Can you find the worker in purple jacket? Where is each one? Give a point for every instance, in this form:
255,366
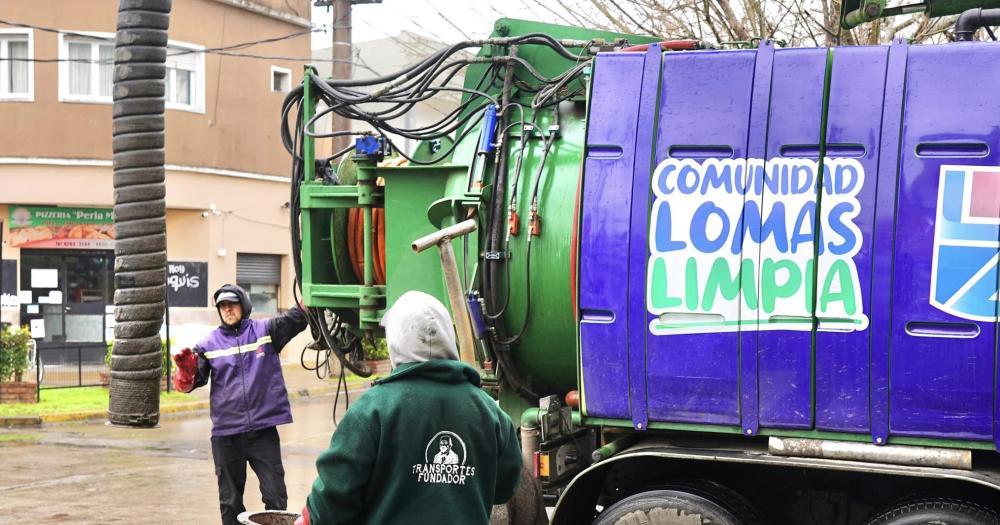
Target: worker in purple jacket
248,397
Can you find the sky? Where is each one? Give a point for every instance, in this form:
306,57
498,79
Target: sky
446,20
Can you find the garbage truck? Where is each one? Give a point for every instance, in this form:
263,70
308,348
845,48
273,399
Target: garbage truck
713,284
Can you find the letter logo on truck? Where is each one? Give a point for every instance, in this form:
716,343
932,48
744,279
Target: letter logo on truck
740,244
964,278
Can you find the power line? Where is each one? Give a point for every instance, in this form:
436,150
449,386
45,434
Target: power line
223,51
446,19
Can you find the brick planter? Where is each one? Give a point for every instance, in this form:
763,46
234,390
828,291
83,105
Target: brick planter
18,392
382,367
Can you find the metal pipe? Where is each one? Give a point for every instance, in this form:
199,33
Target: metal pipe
529,445
460,313
531,416
308,112
369,261
868,452
970,21
444,234
614,447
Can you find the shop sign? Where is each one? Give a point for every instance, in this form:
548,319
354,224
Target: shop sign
66,228
187,283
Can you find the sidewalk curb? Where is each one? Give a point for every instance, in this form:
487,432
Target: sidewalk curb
20,421
173,408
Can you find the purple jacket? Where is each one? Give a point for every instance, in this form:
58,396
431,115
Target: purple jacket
248,390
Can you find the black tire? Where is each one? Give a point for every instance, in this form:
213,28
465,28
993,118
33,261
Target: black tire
125,363
137,329
143,158
141,245
140,312
937,511
138,141
136,176
141,54
682,503
526,506
162,6
147,261
139,124
139,228
145,19
124,296
138,345
143,192
150,209
140,278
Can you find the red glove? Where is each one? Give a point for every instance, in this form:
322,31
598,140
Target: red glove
187,363
304,518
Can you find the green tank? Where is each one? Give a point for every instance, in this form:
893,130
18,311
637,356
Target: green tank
528,305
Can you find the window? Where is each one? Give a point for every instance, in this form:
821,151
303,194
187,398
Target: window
184,80
281,80
87,68
16,69
260,276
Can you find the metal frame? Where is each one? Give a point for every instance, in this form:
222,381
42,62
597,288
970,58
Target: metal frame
367,297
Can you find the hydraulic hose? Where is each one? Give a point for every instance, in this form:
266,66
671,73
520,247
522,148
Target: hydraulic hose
140,211
970,21
511,373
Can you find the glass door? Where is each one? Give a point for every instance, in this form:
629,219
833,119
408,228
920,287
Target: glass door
69,295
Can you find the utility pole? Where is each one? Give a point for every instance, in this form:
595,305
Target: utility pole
342,53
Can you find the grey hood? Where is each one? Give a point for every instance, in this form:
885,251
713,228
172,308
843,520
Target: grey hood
418,328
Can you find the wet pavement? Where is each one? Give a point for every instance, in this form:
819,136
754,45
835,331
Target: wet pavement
90,473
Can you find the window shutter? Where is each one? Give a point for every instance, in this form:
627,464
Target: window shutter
254,268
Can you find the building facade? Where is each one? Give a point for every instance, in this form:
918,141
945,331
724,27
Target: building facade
227,184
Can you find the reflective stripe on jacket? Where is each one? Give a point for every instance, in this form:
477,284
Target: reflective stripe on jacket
248,390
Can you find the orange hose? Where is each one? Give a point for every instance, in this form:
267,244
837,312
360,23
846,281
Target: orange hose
356,242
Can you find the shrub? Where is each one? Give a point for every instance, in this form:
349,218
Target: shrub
376,351
14,353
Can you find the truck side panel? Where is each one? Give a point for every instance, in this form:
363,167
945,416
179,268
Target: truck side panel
694,378
944,344
785,320
857,84
604,231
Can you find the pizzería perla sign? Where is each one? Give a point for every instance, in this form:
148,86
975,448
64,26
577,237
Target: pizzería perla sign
737,244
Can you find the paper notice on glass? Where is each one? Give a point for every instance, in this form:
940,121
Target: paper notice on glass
109,309
24,297
38,328
44,278
55,297
31,309
44,299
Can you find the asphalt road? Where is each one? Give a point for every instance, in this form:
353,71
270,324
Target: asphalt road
90,473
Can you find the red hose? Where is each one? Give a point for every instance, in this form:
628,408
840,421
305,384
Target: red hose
673,45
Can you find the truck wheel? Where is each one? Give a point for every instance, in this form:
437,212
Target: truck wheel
526,507
682,503
937,511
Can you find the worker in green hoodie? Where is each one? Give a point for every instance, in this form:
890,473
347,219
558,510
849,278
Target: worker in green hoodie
424,445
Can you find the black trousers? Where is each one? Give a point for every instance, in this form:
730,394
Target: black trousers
262,449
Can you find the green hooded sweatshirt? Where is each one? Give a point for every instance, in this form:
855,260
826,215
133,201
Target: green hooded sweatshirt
424,445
